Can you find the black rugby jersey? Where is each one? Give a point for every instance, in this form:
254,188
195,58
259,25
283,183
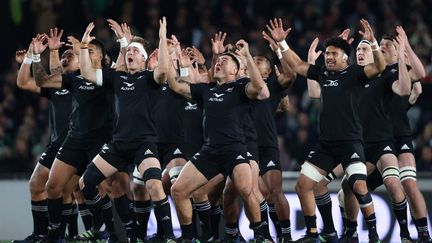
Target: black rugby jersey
264,113
224,109
92,114
377,97
340,100
59,110
169,115
135,97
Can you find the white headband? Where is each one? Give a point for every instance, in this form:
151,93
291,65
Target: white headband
140,48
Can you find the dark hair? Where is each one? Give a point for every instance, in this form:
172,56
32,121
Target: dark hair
108,59
99,45
338,42
388,37
232,57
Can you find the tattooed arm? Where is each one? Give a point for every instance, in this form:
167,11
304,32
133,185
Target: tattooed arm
41,77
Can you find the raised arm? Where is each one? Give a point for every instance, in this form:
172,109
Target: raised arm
378,66
402,86
279,35
177,84
119,31
41,77
314,88
86,68
24,79
54,45
162,70
288,77
417,72
217,49
256,88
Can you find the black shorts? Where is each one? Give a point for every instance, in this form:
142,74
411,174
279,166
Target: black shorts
170,151
79,153
121,154
327,156
404,145
374,180
47,158
269,159
374,151
252,151
212,161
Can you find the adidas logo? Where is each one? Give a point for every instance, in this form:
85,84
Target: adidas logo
405,147
271,163
248,154
240,157
355,156
177,151
148,151
387,148
166,218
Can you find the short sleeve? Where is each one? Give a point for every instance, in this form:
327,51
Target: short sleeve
152,84
313,72
274,86
197,91
45,92
107,78
67,82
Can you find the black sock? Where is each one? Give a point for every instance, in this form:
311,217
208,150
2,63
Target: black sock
311,228
274,218
371,224
107,214
351,228
203,209
324,205
264,219
40,217
195,221
215,217
142,211
122,207
54,211
163,215
232,230
285,228
422,228
187,231
86,216
73,221
93,202
400,210
257,228
66,212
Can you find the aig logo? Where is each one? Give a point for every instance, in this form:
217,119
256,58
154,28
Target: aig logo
331,83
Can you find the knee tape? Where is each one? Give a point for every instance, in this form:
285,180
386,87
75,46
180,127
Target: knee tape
152,173
137,179
356,168
363,200
390,171
408,173
311,172
174,172
330,176
92,177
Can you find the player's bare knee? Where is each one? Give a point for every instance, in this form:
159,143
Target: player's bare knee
53,189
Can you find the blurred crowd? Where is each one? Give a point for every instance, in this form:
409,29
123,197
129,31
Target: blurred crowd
23,116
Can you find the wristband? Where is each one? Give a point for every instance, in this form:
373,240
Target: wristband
184,72
279,53
84,45
36,58
375,46
27,60
123,42
284,46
